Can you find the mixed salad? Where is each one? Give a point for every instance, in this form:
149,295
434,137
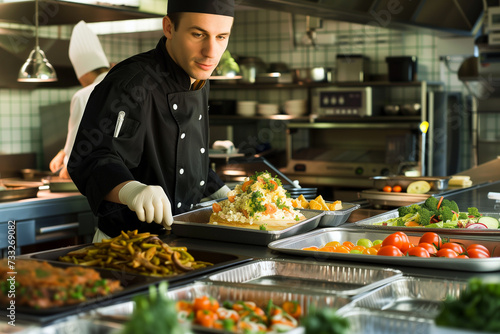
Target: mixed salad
440,213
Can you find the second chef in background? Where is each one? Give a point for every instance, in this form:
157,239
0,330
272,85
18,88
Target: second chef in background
91,65
141,152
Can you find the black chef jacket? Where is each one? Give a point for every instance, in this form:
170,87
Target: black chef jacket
163,139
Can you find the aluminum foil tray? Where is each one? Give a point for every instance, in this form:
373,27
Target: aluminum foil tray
308,275
370,223
412,296
72,325
194,224
224,291
337,217
320,237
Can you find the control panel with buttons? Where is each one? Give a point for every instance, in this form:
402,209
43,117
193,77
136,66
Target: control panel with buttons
343,101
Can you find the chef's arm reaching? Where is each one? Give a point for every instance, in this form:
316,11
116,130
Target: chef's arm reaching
150,203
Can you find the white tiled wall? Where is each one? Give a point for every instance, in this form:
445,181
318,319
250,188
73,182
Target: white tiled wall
265,34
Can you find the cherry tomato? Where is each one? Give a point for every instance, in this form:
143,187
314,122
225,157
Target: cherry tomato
342,249
333,243
430,248
393,240
453,245
205,303
311,248
475,253
367,243
359,248
446,252
478,246
389,250
406,242
327,249
387,189
370,251
348,244
206,318
418,252
462,256
431,238
397,189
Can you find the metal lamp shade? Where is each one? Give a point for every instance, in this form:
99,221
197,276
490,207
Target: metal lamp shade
37,68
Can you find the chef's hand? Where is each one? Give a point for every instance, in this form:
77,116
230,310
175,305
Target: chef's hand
150,203
57,162
63,174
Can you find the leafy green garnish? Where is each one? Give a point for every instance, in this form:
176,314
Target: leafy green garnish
324,321
155,314
476,308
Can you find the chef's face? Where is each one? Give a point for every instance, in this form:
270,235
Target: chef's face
197,42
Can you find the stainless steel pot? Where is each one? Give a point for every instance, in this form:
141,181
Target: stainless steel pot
250,68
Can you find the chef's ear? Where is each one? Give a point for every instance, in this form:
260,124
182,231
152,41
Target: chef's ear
168,27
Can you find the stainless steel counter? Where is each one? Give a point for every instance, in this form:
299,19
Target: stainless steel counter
47,217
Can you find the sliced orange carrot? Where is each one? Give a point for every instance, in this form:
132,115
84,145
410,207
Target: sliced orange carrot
440,201
216,207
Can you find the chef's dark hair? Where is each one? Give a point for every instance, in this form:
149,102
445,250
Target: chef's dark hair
175,18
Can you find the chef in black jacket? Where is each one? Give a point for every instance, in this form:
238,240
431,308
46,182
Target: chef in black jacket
141,152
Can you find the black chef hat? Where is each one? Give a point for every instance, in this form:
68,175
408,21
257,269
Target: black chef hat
217,7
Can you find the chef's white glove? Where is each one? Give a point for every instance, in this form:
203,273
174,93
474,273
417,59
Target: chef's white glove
150,203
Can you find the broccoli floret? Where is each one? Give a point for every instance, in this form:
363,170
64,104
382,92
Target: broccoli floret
400,221
474,212
424,216
445,213
463,215
431,203
406,210
451,204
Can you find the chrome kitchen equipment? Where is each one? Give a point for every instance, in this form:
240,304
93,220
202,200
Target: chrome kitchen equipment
347,101
352,68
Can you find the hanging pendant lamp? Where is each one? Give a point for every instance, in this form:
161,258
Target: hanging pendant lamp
37,68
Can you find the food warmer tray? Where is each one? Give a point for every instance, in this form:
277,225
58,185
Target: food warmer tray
16,193
194,224
369,223
323,277
377,197
224,291
437,183
135,281
320,237
131,284
337,217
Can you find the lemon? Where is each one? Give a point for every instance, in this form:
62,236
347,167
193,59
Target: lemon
418,187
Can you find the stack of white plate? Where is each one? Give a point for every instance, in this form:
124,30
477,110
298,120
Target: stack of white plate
246,108
267,109
296,107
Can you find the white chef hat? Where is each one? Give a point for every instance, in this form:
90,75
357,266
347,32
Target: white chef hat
85,50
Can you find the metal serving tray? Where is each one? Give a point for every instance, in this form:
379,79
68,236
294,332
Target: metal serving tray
219,260
15,193
378,197
309,275
437,183
412,296
130,284
194,224
337,217
370,223
294,245
224,291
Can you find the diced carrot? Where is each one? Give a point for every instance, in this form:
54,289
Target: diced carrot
231,198
216,207
270,209
246,184
411,223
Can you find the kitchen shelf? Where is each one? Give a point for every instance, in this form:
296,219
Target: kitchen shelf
226,86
